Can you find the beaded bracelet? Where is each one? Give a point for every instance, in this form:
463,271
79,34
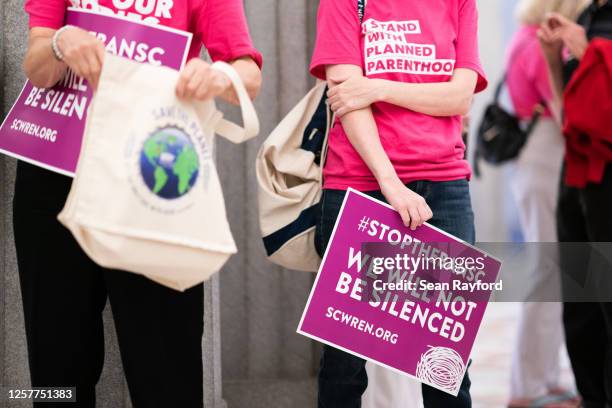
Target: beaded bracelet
56,51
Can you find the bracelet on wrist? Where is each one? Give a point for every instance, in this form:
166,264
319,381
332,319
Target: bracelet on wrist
54,43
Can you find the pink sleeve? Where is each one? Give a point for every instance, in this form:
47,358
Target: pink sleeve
225,32
46,13
468,55
338,36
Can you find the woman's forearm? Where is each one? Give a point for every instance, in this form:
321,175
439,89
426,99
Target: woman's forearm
250,74
436,99
361,130
40,65
555,75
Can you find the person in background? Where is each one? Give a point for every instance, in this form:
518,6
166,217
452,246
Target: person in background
64,292
397,135
536,357
583,213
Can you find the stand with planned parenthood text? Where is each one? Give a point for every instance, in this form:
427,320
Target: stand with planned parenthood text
411,301
45,126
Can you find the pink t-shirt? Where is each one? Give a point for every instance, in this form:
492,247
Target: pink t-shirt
412,41
218,24
527,74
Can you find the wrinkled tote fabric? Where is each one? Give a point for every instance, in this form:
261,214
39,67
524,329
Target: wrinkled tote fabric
289,181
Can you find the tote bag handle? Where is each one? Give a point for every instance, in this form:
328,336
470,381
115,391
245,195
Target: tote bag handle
229,130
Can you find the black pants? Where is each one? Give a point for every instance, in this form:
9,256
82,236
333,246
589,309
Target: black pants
584,216
64,292
342,376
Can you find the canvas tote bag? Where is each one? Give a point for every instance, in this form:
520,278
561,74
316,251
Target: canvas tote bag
289,177
146,197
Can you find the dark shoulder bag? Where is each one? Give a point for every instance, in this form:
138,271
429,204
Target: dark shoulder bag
500,137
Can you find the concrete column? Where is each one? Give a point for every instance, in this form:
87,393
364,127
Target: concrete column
2,204
211,344
265,363
13,357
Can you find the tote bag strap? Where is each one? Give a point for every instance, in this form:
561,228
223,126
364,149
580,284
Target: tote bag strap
331,117
229,130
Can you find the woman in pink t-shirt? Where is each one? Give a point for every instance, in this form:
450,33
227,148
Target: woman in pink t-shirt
400,81
64,293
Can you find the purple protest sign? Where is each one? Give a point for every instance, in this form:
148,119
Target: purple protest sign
422,325
45,126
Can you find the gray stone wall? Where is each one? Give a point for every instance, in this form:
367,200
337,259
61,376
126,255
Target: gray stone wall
264,360
2,202
12,355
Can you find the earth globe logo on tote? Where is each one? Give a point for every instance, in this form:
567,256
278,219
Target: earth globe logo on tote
169,163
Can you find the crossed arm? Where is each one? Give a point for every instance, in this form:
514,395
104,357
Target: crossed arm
435,99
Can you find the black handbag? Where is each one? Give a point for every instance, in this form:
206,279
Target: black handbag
500,136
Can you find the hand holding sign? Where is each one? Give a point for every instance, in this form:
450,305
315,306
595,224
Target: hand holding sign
421,315
411,206
83,53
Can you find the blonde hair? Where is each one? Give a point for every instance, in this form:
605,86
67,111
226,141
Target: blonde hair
533,12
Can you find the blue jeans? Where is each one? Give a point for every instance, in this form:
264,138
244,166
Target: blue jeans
342,376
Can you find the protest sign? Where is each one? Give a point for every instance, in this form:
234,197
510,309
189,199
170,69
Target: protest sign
45,126
411,301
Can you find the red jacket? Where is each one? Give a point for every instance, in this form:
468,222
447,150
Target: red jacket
588,116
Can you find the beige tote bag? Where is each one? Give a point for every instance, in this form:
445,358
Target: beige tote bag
289,177
146,197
